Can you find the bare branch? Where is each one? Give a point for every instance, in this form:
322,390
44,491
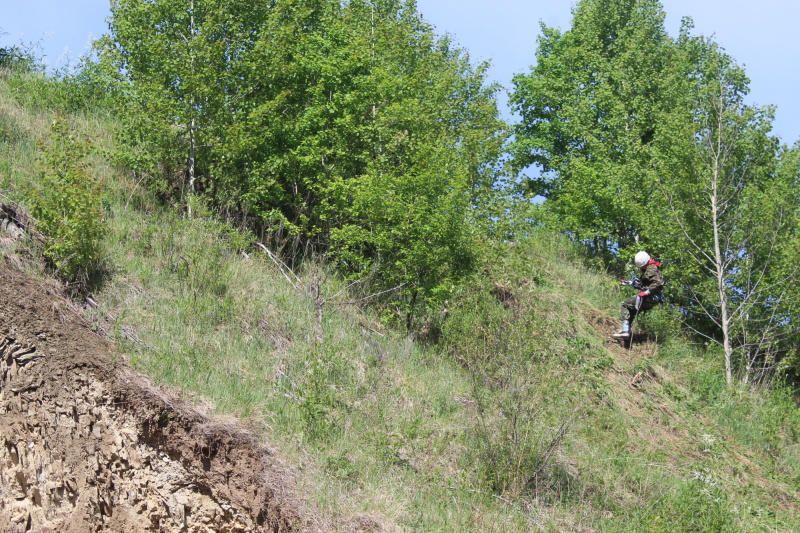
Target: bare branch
281,266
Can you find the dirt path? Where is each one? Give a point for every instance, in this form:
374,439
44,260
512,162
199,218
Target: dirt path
86,444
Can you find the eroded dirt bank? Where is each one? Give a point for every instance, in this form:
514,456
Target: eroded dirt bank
88,445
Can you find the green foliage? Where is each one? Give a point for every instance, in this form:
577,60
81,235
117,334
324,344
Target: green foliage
523,410
337,127
663,322
708,384
725,208
522,416
67,204
384,423
77,90
784,262
16,57
10,132
589,112
766,420
318,396
645,141
698,504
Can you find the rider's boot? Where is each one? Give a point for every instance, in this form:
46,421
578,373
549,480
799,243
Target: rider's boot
626,329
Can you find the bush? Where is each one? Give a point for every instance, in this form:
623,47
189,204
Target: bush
522,394
67,204
16,57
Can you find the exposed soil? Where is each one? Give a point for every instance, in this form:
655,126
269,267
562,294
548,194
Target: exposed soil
87,444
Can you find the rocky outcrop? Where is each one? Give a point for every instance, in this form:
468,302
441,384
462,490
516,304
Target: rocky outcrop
86,444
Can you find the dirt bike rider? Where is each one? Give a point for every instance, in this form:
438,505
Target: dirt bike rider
650,286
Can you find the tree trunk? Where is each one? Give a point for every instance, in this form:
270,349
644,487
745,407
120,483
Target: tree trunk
719,266
192,124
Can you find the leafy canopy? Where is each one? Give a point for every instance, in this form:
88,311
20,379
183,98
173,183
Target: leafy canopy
346,128
589,112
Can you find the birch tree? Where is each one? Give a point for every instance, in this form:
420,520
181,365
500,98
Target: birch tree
725,205
176,65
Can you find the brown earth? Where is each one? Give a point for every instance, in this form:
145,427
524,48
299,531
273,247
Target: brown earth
87,444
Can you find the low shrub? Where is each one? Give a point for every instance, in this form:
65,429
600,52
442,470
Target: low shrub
67,203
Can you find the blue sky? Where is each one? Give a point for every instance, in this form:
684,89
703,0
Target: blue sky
763,36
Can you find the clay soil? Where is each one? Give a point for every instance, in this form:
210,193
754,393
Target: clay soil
87,444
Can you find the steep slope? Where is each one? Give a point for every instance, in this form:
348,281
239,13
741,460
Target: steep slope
668,432
89,445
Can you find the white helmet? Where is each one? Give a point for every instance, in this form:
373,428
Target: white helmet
641,259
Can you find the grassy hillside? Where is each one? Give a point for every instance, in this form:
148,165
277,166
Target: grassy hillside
511,410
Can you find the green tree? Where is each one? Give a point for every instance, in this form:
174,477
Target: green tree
646,141
589,109
726,206
370,136
344,128
784,335
174,62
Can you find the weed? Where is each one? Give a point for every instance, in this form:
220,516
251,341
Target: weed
318,397
342,468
